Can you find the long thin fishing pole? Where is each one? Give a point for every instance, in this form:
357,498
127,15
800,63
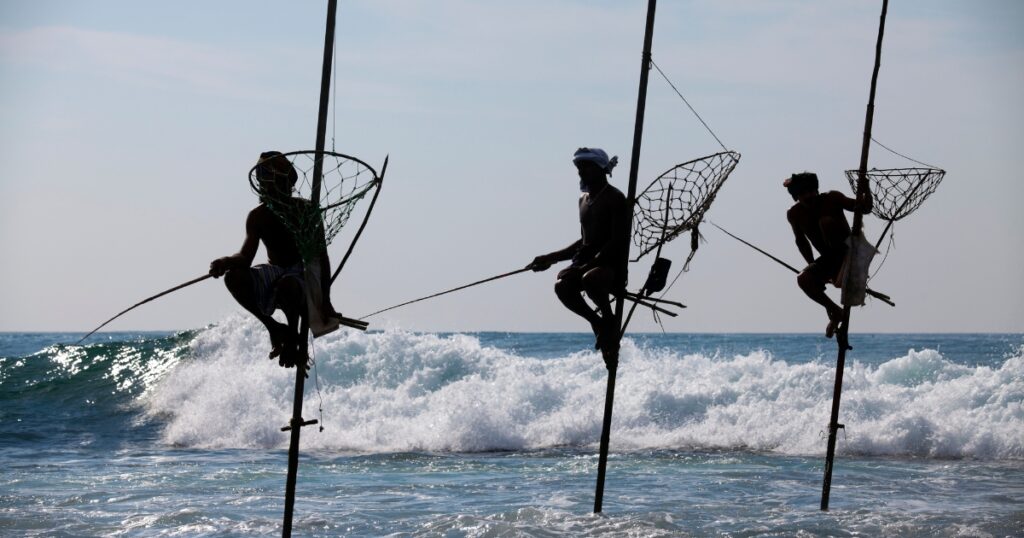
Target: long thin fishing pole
876,294
751,245
478,282
142,302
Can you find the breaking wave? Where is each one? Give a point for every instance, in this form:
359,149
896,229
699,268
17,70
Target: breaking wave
398,391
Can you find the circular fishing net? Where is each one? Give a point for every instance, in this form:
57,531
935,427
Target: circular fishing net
677,200
898,192
314,223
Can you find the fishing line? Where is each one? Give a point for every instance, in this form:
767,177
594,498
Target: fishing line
888,248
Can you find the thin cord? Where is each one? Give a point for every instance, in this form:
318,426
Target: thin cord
663,75
892,243
316,380
894,152
673,283
685,268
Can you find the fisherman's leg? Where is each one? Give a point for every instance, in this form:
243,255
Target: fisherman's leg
291,298
569,289
598,284
242,287
814,286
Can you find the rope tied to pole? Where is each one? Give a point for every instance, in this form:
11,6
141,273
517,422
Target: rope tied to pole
704,123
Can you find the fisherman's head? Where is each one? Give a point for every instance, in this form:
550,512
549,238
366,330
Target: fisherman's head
276,174
594,167
802,186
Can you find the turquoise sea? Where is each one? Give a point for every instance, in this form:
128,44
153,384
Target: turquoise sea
495,434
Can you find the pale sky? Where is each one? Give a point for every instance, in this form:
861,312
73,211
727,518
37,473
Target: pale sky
129,127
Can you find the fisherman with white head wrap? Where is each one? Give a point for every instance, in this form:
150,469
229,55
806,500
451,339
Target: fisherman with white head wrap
597,255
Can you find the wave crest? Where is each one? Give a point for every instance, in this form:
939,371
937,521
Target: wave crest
401,391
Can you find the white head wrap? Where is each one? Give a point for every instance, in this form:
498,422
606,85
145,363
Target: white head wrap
596,156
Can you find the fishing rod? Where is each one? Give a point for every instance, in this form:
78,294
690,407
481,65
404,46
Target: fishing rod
643,301
478,282
144,301
877,295
348,322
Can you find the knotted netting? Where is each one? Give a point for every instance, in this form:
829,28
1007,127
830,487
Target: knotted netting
345,180
677,200
898,192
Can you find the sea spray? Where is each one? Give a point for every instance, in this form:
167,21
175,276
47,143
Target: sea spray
714,434
396,391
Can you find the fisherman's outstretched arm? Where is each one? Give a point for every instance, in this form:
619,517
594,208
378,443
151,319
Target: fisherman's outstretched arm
245,255
544,261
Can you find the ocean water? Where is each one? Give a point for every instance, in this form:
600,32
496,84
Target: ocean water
495,434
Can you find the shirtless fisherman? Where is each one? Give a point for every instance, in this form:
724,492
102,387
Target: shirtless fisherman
817,219
263,288
597,255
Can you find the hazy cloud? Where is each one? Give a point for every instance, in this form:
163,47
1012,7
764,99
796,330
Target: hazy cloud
152,61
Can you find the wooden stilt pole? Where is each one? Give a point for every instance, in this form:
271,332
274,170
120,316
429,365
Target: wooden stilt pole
842,336
297,421
295,425
634,163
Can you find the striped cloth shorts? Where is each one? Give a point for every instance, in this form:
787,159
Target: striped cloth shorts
264,280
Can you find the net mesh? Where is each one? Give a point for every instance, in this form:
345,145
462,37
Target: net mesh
676,201
345,181
898,192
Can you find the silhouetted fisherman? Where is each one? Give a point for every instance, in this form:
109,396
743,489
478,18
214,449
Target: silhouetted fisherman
597,255
818,219
261,289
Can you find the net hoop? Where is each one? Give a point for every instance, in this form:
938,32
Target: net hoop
677,200
898,192
344,181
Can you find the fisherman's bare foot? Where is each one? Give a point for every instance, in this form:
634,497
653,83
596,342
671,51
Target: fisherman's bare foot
834,319
596,327
279,336
293,357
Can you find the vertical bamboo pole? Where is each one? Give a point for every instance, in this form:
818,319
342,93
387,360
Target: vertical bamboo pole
842,337
325,95
295,425
297,422
638,131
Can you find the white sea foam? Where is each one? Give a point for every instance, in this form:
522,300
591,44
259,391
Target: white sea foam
399,391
